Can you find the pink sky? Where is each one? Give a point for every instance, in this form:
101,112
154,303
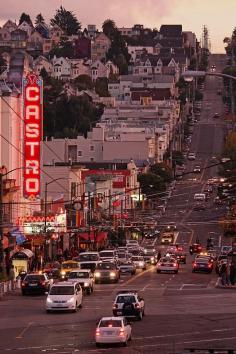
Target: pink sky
192,14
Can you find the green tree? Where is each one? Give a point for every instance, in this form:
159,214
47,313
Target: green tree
25,17
39,19
163,171
44,75
118,53
109,28
84,82
150,183
177,157
65,50
101,87
67,21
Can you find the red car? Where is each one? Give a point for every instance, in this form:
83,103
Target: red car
195,248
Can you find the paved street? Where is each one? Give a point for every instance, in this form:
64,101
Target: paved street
182,310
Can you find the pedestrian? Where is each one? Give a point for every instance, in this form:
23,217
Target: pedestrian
12,276
223,271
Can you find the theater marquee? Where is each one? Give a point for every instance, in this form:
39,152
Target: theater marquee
33,112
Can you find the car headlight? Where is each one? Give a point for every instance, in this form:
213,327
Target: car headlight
70,300
141,264
49,300
112,274
86,284
63,272
152,258
97,274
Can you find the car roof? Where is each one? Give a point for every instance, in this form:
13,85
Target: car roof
64,283
125,292
80,270
112,318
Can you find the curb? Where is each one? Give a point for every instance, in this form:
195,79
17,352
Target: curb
219,286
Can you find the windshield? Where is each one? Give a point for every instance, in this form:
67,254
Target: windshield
137,258
36,277
125,298
110,323
88,257
107,254
62,290
69,265
106,266
75,275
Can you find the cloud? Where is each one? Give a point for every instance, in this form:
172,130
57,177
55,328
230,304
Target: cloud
123,12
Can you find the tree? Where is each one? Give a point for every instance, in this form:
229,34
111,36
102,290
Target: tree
65,50
118,53
101,87
39,19
83,82
150,183
25,17
109,28
177,157
163,171
67,21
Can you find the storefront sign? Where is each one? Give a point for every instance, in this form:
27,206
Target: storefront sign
32,91
35,225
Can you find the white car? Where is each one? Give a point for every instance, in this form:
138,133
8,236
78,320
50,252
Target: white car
113,330
167,265
191,156
132,243
64,296
139,262
108,255
84,277
88,260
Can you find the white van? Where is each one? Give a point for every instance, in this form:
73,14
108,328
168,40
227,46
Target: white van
200,197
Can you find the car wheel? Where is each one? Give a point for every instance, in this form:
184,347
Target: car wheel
76,307
130,338
48,311
140,316
143,311
125,343
132,273
98,345
23,293
176,271
80,305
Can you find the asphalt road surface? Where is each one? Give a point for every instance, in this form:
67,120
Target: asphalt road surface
182,310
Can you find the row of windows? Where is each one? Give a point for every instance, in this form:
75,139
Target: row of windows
80,153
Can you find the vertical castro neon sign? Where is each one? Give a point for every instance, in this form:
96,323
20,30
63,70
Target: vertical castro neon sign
33,112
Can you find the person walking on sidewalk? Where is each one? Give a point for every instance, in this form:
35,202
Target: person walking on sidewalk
12,276
224,272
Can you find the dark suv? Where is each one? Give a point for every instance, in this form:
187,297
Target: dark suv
35,283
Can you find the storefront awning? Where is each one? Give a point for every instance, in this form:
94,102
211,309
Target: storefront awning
25,252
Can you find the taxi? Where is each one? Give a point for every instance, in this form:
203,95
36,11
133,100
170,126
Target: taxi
67,267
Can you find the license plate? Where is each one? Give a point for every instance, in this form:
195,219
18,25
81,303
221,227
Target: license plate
32,284
109,333
202,266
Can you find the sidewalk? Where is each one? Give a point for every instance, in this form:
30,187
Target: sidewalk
220,286
7,287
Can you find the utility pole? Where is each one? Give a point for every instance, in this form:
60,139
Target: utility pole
1,226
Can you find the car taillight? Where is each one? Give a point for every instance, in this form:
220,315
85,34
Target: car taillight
137,306
210,265
115,306
194,264
42,283
23,283
122,332
97,332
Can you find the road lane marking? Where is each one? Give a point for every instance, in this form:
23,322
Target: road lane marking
21,334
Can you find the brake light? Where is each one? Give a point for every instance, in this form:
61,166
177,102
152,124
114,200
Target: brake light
174,264
122,332
97,332
194,264
42,283
210,265
23,284
115,306
137,306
